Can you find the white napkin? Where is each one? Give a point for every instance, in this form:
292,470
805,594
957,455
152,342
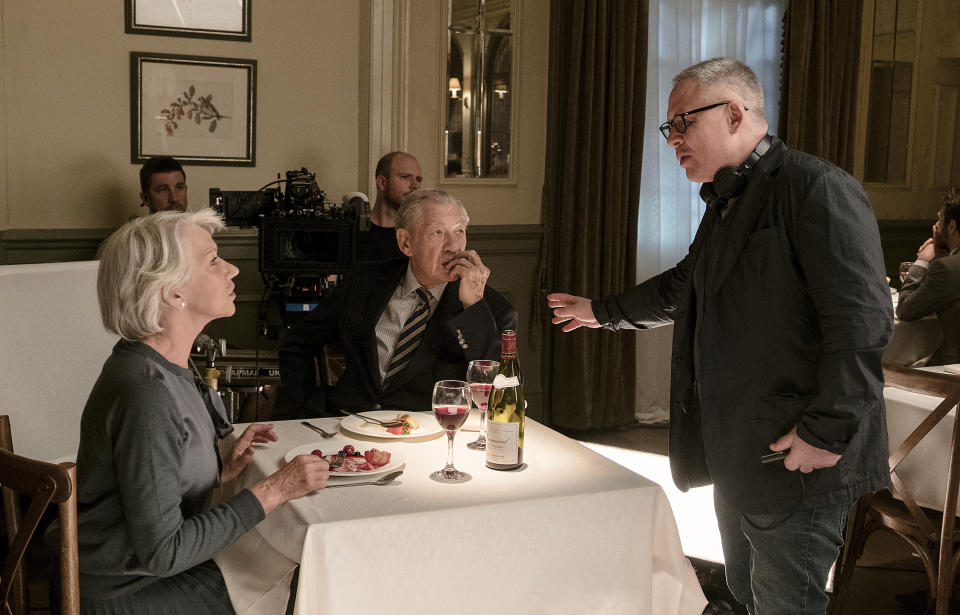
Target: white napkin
257,575
953,368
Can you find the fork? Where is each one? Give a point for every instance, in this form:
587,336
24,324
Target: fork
337,460
324,433
370,419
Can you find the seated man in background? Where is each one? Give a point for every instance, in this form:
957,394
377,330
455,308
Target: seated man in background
933,282
397,175
163,185
404,323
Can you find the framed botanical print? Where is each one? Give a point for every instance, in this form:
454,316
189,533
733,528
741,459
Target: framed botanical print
200,110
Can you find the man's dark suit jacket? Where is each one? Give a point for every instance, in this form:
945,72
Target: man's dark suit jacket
453,338
935,290
781,312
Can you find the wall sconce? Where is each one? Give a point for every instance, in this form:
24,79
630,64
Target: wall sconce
454,87
500,90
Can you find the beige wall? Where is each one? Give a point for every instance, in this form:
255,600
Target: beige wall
65,109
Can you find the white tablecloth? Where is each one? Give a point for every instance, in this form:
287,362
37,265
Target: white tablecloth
913,341
924,470
571,532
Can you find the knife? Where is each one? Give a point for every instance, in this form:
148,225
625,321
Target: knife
383,480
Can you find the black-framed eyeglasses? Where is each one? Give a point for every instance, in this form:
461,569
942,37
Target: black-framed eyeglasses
679,121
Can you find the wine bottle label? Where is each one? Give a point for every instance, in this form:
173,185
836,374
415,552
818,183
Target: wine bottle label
503,382
502,441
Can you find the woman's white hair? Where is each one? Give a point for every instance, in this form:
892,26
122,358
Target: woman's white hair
142,261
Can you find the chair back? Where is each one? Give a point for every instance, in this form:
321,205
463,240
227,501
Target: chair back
935,384
42,484
54,346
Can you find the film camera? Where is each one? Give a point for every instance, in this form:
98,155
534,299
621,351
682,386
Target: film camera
305,242
301,231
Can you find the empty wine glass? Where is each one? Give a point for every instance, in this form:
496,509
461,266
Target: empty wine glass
480,375
451,406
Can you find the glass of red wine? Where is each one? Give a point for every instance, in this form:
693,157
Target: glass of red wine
451,407
480,375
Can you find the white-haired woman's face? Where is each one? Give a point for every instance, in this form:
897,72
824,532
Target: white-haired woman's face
209,293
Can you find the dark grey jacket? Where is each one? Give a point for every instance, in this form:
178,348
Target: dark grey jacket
453,338
936,290
786,308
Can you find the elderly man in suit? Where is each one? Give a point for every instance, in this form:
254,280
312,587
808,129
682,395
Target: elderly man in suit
780,313
933,282
404,323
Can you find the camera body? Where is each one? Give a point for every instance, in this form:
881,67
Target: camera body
301,231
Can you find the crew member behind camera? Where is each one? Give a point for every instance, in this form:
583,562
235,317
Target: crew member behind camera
163,185
403,323
397,175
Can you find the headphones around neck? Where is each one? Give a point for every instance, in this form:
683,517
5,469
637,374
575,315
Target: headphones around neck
730,182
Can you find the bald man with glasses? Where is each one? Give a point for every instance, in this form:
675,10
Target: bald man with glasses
780,312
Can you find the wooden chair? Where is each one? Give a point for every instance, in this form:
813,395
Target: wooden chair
43,483
932,534
333,363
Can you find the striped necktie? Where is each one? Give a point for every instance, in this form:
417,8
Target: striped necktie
410,336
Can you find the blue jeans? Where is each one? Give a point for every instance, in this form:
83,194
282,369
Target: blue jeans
777,564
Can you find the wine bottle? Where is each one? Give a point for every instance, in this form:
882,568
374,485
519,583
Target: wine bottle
506,410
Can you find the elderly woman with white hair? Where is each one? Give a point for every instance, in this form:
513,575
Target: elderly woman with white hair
148,459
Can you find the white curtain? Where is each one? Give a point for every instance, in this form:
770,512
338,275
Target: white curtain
682,33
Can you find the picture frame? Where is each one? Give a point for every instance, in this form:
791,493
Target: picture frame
200,110
218,19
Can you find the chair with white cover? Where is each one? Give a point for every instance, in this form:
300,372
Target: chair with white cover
54,345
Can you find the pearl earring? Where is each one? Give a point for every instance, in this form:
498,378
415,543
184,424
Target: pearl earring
182,304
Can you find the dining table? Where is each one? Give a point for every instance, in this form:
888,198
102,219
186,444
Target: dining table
569,531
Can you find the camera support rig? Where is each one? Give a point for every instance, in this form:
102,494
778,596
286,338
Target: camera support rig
305,243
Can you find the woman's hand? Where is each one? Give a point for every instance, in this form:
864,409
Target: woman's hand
242,452
304,474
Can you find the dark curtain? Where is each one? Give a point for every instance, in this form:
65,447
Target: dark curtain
818,89
598,51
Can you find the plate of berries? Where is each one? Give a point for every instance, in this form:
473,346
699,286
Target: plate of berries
359,459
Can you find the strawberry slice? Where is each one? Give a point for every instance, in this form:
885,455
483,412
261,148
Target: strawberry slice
377,458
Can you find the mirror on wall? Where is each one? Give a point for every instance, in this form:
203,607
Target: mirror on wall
479,89
891,89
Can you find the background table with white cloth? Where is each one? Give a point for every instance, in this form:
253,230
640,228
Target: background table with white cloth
924,470
912,341
569,532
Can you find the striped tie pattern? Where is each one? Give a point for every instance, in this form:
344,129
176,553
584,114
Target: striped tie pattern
410,336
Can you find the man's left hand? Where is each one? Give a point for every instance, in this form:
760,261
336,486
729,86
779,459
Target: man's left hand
473,276
804,457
